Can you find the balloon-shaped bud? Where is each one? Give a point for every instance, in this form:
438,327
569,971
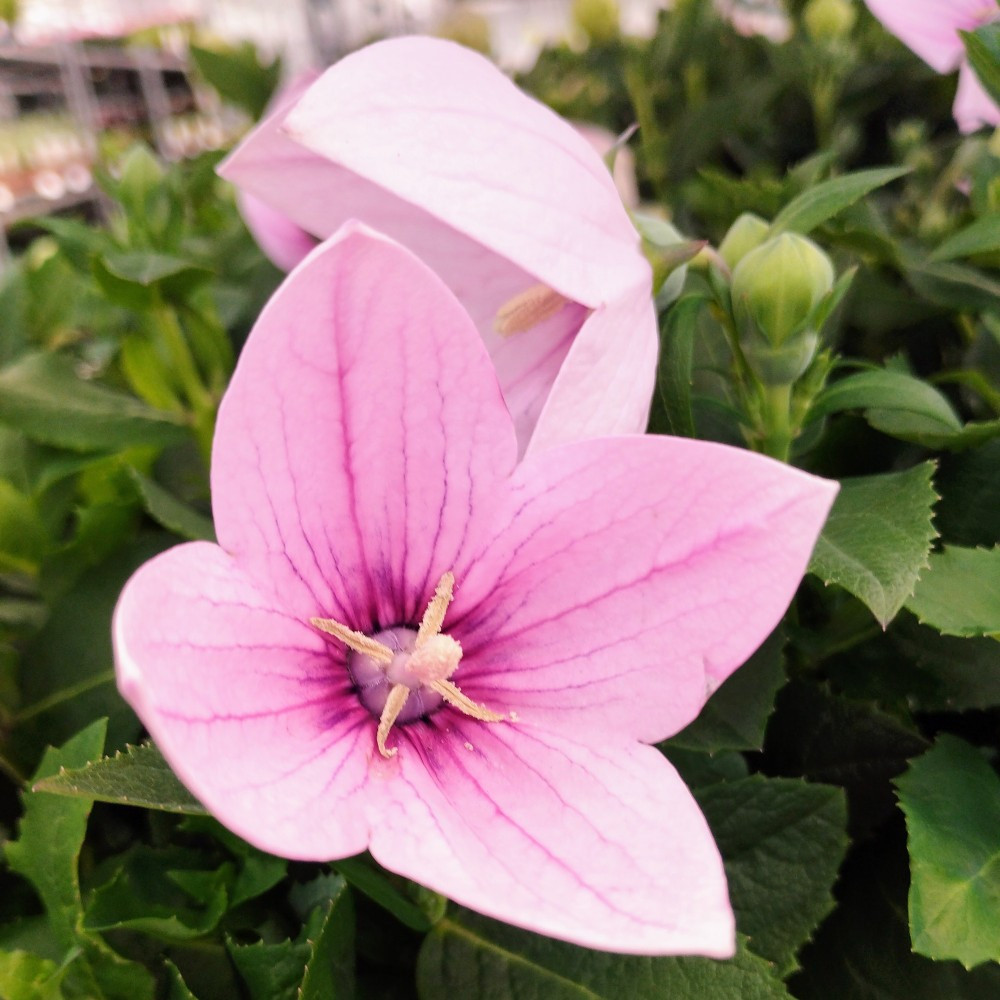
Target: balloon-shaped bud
775,290
829,19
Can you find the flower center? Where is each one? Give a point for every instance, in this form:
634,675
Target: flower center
402,674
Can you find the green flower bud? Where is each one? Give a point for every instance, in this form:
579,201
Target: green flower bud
598,18
775,290
744,235
829,19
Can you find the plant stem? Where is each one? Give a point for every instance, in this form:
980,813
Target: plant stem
778,432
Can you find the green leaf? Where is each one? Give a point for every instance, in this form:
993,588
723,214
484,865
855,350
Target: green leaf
877,538
130,277
42,396
383,889
954,286
884,392
138,777
51,834
272,971
318,963
863,951
960,592
982,46
981,236
951,798
23,538
674,370
238,76
782,841
329,972
24,976
735,716
467,955
178,989
822,202
171,513
153,891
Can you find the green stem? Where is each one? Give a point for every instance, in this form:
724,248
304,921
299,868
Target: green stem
778,432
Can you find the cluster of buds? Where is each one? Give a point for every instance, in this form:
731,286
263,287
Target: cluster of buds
781,290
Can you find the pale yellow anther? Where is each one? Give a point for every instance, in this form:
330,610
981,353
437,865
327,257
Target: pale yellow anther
393,706
430,624
527,309
357,641
465,704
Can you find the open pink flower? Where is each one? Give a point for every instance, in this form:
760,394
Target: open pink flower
931,29
308,681
431,144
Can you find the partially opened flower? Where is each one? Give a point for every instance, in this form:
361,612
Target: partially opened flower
408,642
931,29
284,242
431,144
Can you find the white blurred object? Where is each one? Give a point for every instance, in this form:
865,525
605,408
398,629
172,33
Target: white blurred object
767,18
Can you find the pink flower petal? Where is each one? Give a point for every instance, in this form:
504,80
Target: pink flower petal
606,382
284,242
973,106
362,425
930,27
239,695
482,157
635,575
603,847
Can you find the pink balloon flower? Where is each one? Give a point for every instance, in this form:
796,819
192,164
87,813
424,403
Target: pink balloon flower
284,242
312,683
431,144
931,29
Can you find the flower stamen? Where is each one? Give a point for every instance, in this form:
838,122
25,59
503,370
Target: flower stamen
527,309
357,641
424,661
393,706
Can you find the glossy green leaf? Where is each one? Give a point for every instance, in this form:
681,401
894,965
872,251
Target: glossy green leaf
982,47
138,777
877,538
817,204
924,407
177,988
782,841
43,396
951,798
171,513
959,594
51,834
954,286
735,716
981,236
470,956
